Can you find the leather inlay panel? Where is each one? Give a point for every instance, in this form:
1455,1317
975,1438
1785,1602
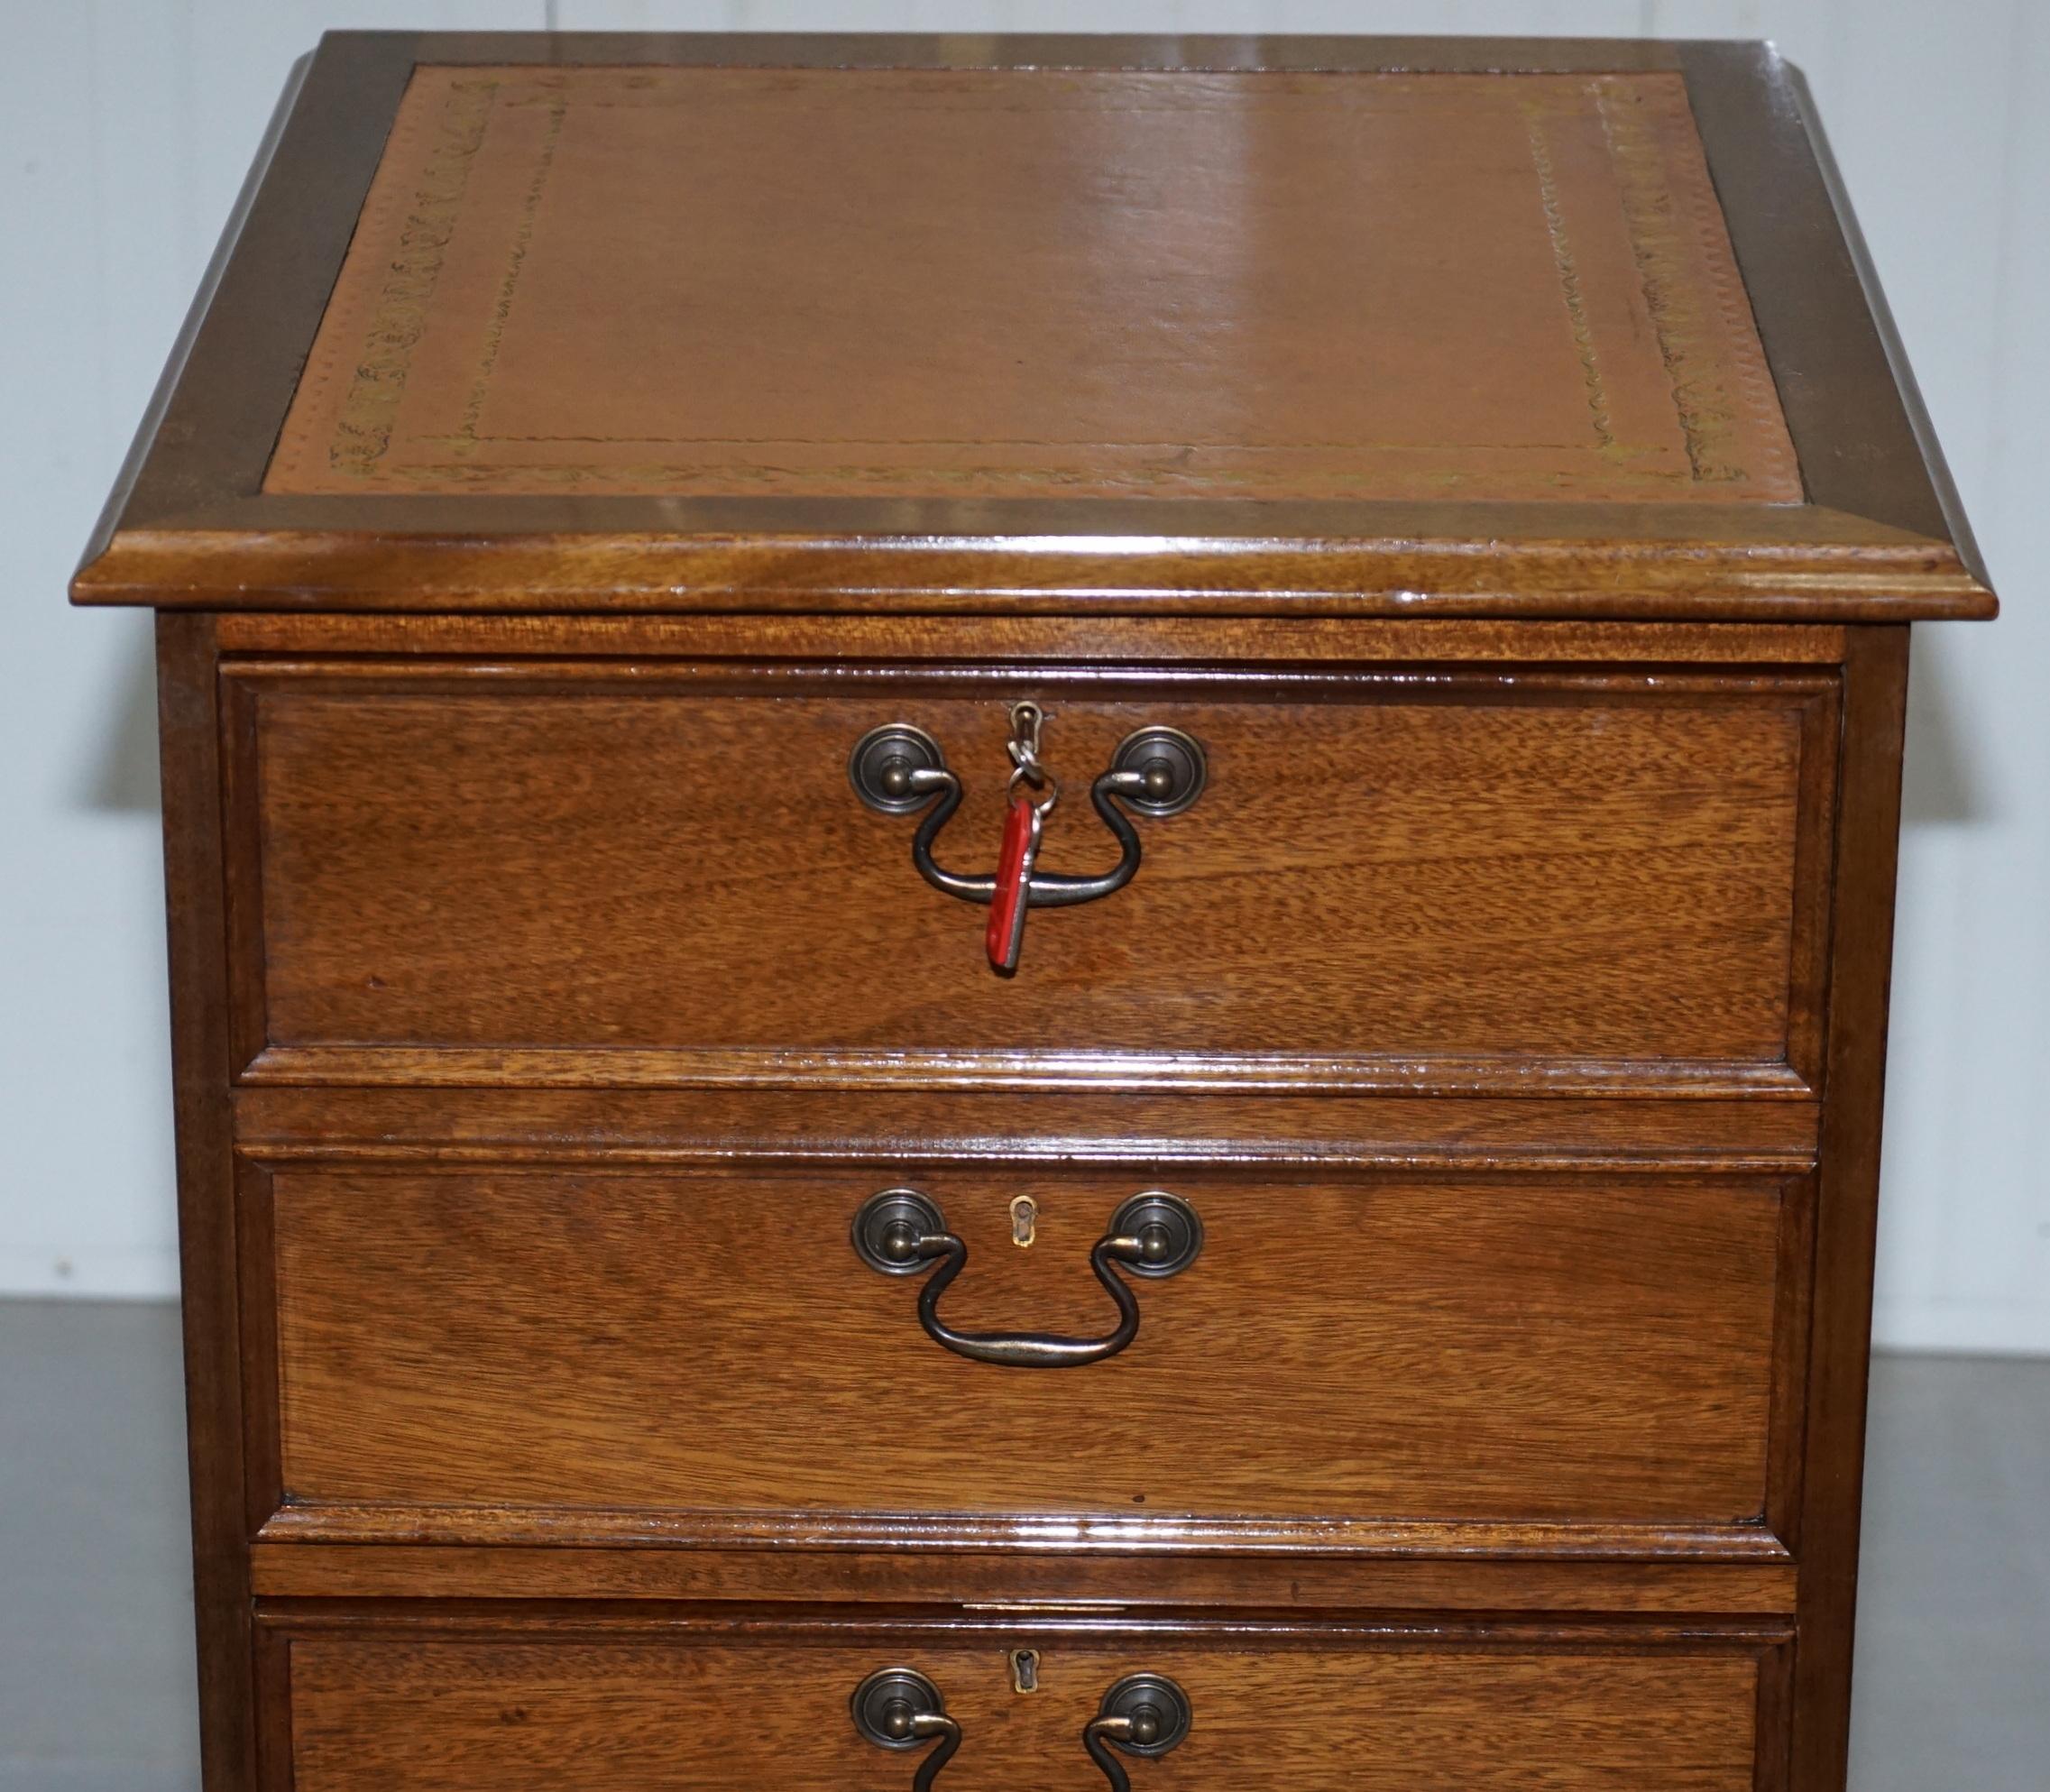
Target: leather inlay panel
924,283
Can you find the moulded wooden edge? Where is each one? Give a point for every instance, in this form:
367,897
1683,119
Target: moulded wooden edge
1263,1158
1501,570
1272,1629
1860,430
151,440
1759,1141
1111,1072
1013,1584
1197,51
1009,1534
1070,640
1250,1135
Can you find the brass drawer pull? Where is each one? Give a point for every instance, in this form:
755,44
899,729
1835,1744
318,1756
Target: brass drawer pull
1144,1715
898,768
902,1232
900,1708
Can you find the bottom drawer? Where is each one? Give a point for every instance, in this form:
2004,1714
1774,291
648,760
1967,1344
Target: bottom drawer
453,1705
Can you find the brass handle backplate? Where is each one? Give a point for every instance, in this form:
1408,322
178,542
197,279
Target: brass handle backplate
1142,1714
900,1708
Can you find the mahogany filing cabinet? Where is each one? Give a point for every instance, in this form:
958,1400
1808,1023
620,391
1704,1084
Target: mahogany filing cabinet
1030,905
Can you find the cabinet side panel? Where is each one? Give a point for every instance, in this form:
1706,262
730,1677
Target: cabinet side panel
1861,962
193,881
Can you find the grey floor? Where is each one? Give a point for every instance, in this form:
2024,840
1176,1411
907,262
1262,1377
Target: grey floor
95,1667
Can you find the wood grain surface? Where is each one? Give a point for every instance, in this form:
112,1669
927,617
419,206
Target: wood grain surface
1538,1348
914,1128
1281,641
1847,1202
628,868
286,1563
1427,1714
1700,563
216,1408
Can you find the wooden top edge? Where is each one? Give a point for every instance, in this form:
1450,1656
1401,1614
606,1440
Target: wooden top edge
1880,537
1938,492
1901,579
1205,52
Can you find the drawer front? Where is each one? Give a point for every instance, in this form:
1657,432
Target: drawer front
1406,1711
630,872
1601,1352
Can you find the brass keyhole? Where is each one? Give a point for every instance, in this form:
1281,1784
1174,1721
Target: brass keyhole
1024,1670
1024,1217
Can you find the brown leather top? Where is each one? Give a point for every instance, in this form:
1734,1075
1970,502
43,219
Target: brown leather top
917,283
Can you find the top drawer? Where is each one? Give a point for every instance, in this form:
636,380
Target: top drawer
637,872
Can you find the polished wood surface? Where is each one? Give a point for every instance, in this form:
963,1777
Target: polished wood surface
1679,1135
1287,643
1512,1006
1877,534
1282,294
1847,1206
1544,1348
292,1559
1559,560
195,871
1392,1714
626,870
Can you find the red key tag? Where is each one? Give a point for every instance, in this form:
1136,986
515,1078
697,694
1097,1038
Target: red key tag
1006,934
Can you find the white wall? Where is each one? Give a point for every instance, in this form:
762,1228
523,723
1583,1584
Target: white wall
126,134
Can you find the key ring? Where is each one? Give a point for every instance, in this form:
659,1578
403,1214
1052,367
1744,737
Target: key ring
1039,776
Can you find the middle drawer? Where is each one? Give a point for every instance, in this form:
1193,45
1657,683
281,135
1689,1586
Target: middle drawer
1610,1351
